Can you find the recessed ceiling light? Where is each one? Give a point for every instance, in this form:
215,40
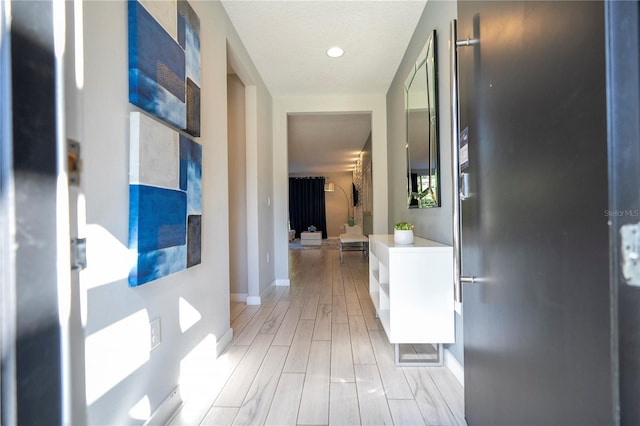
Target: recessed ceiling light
335,52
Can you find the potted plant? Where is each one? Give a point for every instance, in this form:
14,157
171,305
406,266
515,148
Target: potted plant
403,233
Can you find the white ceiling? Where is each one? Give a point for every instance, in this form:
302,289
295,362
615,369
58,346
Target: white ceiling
331,142
288,40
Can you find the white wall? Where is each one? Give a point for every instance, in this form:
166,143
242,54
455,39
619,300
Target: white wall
193,305
435,223
263,178
376,104
237,187
260,210
336,204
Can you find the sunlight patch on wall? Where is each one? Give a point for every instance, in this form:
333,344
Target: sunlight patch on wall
142,409
198,373
115,352
189,315
108,259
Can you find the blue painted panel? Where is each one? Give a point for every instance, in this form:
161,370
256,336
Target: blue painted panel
157,218
156,68
189,39
157,264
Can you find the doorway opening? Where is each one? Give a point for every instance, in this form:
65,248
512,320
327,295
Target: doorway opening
335,147
237,165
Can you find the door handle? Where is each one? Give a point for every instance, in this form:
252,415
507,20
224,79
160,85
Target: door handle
460,192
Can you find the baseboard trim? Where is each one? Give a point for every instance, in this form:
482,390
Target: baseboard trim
283,282
253,300
238,297
195,409
167,408
224,341
454,366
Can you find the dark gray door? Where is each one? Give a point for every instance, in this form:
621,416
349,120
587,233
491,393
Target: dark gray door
623,85
537,326
32,338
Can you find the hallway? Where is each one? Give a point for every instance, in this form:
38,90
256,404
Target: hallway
313,353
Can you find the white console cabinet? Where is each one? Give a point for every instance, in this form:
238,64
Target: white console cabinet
411,287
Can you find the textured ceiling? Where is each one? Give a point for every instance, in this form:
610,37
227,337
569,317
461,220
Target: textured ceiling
288,40
332,142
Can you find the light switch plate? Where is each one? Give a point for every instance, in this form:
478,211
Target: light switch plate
156,333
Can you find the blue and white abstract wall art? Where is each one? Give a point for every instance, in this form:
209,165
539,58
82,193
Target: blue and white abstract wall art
165,200
164,68
189,39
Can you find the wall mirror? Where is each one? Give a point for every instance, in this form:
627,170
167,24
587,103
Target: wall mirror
421,107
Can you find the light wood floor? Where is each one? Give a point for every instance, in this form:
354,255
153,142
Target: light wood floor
314,354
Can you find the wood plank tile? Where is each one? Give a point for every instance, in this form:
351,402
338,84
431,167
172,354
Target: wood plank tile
343,405
310,307
239,383
243,319
220,416
322,329
369,314
353,303
298,300
405,412
341,359
275,319
287,329
336,278
360,343
284,408
339,310
335,359
432,405
326,290
362,288
314,404
256,405
393,378
313,282
253,328
299,352
274,295
451,390
347,281
373,404
289,292
236,309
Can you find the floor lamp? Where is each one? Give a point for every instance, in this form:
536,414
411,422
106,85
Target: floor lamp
330,187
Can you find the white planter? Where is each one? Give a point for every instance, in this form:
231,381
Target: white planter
403,237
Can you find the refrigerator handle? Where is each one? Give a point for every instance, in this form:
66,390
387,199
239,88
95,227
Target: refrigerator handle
458,279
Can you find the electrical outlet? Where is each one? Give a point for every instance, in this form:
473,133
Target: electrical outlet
156,333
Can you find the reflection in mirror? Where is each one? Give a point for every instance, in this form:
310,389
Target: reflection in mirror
421,103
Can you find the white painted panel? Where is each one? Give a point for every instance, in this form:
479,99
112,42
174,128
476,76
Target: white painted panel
155,153
166,13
